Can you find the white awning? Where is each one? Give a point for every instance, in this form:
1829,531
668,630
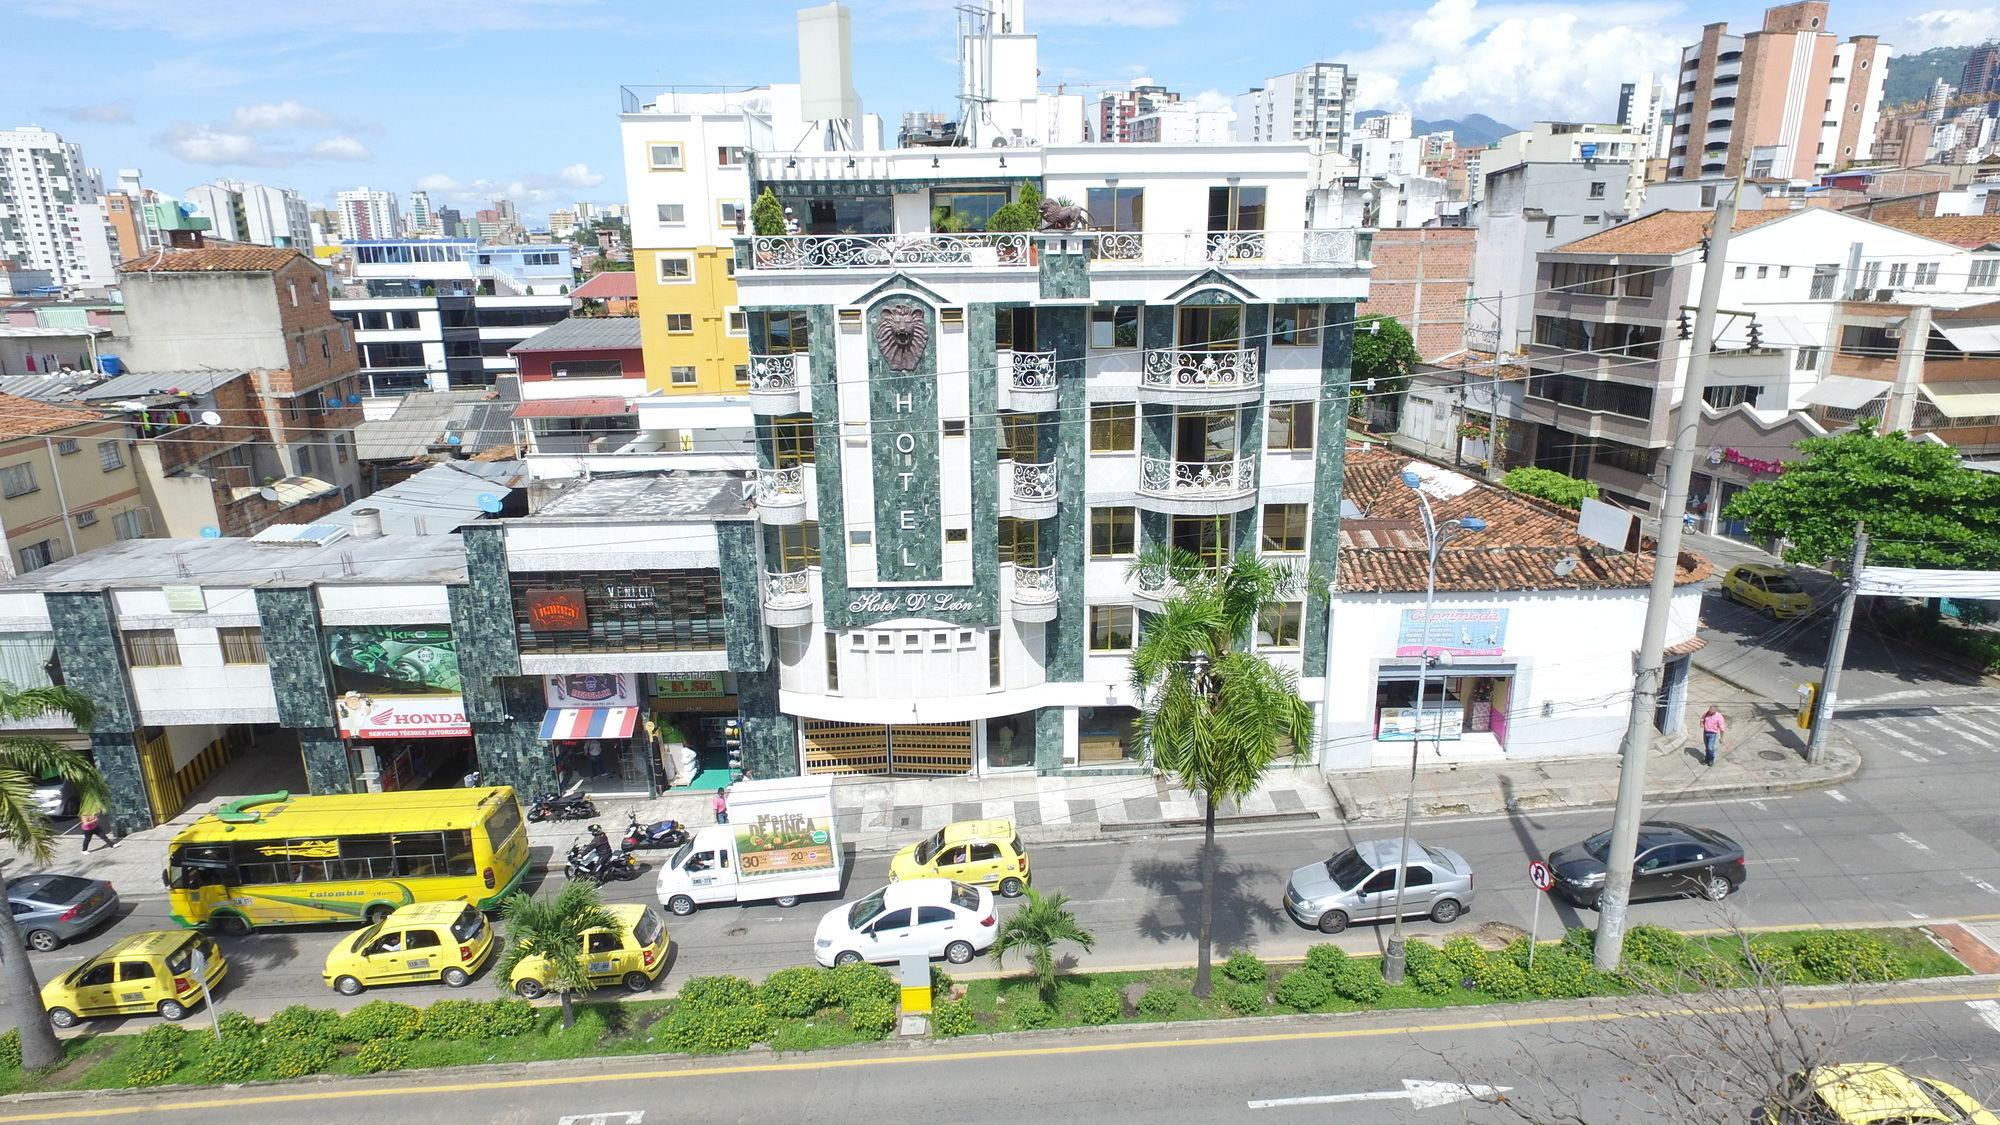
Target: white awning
1978,399
1907,582
1970,337
1843,392
664,413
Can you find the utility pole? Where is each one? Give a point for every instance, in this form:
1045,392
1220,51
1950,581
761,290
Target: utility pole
1493,423
1836,650
1650,665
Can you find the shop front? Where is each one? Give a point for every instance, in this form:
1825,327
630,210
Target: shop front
397,703
593,733
1740,451
696,729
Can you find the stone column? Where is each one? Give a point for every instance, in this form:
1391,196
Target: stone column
87,646
1329,475
303,685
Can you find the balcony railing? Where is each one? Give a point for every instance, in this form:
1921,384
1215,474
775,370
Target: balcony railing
788,589
781,486
1197,480
1170,370
1036,585
1032,371
1250,247
864,251
774,373
1034,481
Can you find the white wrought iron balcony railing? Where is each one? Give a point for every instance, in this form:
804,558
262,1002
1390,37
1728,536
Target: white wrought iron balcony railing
1034,481
1347,247
1036,584
787,589
1197,480
781,486
863,251
1032,371
1171,370
774,372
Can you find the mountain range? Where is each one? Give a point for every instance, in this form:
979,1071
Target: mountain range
1910,75
1474,130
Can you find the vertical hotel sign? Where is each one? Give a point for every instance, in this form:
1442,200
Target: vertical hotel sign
903,422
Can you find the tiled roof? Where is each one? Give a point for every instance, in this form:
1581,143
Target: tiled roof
593,406
584,333
610,285
215,257
1664,232
1959,230
1466,359
25,417
1524,539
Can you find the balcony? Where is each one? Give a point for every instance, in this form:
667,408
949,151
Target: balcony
1200,378
1233,248
776,382
886,251
1028,490
1197,488
1034,593
781,496
1151,587
1030,379
788,598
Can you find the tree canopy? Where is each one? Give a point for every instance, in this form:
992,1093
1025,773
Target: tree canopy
1383,355
1547,484
1923,508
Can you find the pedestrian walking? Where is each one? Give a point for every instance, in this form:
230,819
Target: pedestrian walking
92,827
596,750
721,806
1712,727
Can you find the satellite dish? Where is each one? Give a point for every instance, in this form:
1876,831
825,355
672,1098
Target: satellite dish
452,439
489,502
211,533
270,494
1566,566
210,418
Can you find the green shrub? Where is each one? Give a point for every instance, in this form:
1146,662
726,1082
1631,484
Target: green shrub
1325,959
510,1017
156,1055
10,1049
718,992
1244,999
1246,968
236,1025
860,981
872,1018
1359,981
381,1054
1163,1001
1101,1004
797,992
1304,990
952,1018
233,1058
379,1020
1027,1015
301,1022
1547,484
701,1029
1463,957
1426,970
453,1019
1499,977
1656,945
295,1056
941,982
1559,974
1845,956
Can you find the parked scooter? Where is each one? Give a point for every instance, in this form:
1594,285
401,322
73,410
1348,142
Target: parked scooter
659,834
585,862
570,804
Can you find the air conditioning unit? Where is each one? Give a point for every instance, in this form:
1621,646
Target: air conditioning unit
1885,294
1894,332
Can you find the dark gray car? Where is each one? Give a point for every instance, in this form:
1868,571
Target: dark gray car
1359,885
50,910
1672,860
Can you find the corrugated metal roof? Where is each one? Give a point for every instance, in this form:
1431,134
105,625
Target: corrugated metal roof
139,384
583,333
595,406
438,499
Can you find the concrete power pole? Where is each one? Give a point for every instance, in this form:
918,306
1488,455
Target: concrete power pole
1650,665
1836,650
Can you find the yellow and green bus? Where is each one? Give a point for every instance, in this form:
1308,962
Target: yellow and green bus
280,860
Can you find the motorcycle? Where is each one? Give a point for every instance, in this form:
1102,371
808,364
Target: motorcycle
584,863
570,804
659,834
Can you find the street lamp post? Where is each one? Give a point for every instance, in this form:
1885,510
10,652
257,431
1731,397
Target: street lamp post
1436,535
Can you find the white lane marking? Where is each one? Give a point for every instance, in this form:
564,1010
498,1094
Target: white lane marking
1786,859
1913,841
1917,916
1915,757
1419,1093
1837,795
615,1117
1983,884
1891,697
1988,1012
1758,805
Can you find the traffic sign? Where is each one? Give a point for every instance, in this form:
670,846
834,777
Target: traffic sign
1539,872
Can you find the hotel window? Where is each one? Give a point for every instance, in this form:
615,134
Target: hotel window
664,155
152,648
673,214
1278,626
680,322
1113,532
792,440
798,546
676,269
1110,628
1207,538
1284,529
1235,208
1116,208
1290,428
1020,542
1114,427
681,376
1295,326
1018,437
833,662
1114,326
993,658
243,646
110,455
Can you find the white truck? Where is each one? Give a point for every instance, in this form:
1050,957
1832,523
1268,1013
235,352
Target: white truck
780,844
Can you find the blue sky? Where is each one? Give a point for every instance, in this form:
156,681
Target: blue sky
519,97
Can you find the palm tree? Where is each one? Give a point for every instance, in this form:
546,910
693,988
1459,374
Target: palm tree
1214,714
553,929
1035,930
24,760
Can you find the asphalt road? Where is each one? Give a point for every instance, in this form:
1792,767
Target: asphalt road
1327,1068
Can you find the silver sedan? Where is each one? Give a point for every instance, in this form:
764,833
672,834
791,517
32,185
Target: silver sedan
1359,885
50,910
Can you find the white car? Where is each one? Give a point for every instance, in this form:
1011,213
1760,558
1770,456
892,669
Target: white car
932,917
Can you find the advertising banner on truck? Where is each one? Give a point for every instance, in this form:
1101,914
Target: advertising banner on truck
784,843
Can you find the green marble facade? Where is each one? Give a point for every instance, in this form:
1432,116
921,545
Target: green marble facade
504,707
1061,330
1064,277
88,649
302,686
1329,475
903,443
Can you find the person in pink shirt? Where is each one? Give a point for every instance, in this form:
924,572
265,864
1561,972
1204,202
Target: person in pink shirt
1712,726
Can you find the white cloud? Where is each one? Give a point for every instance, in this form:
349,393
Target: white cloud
340,147
1945,27
1212,99
203,144
259,19
115,112
263,135
580,176
532,191
1107,13
271,117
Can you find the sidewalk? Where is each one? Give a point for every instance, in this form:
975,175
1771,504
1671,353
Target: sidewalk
1763,752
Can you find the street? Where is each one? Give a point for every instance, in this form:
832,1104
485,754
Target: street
1389,1067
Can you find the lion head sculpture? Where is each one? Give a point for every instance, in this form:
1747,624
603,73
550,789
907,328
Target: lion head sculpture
902,333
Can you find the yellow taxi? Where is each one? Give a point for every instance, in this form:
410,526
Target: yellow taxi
161,971
634,953
985,853
1875,1094
1769,589
424,941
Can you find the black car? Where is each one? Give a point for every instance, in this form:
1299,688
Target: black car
1674,860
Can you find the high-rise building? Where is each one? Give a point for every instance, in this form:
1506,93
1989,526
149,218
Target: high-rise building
562,223
1982,71
1787,102
1117,108
366,214
53,215
1642,108
255,213
421,215
450,223
1313,103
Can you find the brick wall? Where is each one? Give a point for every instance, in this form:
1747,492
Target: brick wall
1422,277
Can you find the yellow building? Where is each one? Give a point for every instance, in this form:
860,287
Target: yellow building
68,482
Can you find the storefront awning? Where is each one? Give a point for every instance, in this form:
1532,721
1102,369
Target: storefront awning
1978,399
1975,338
1843,392
570,724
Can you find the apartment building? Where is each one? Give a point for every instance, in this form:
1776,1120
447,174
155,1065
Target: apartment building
1313,103
53,215
249,212
1788,101
364,213
68,483
1116,109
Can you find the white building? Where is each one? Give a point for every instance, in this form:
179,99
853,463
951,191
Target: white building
1313,103
365,213
423,220
52,215
1642,108
1182,123
250,212
1000,95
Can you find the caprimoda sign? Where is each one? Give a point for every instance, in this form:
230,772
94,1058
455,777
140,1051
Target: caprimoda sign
915,604
592,689
402,716
1460,632
1768,468
557,611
